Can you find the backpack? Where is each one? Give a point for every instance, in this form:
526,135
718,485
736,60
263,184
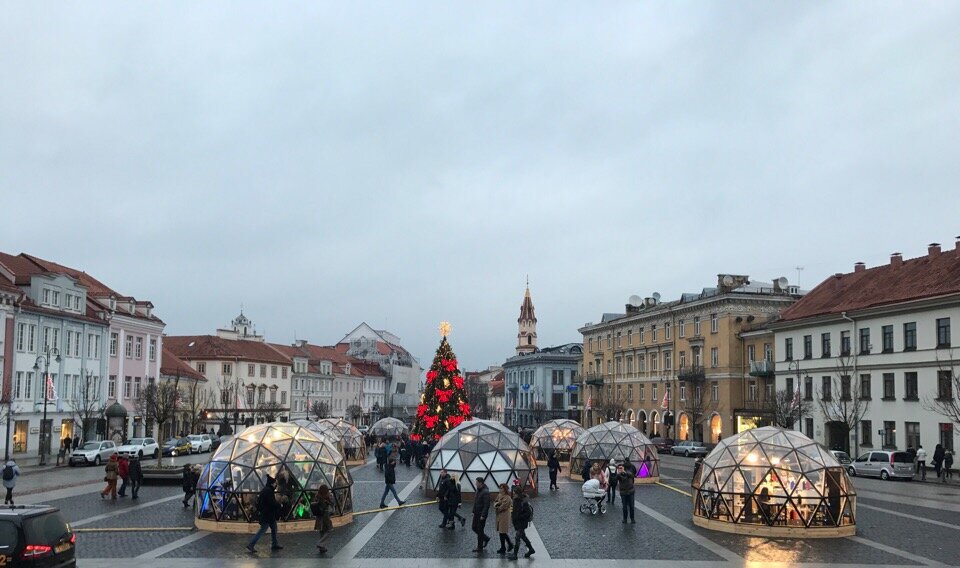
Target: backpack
8,473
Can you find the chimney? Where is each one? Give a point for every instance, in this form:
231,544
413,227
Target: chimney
933,249
896,259
859,267
957,245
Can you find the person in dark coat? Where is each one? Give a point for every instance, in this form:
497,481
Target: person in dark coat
938,454
321,507
625,484
585,470
389,480
481,506
553,466
453,503
269,511
521,516
76,442
381,454
123,470
135,473
442,496
189,483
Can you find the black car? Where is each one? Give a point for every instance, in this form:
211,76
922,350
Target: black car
36,536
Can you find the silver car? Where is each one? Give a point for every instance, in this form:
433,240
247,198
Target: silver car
883,464
689,448
93,453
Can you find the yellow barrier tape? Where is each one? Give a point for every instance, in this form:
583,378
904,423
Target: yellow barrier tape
406,506
132,529
675,489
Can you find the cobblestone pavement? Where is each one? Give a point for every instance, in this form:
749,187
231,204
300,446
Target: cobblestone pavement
889,533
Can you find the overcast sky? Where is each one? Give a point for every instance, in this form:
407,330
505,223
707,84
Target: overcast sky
403,163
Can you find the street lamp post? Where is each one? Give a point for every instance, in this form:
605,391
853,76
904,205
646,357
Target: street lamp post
44,427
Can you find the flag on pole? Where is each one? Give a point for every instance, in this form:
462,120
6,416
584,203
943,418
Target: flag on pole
666,400
51,389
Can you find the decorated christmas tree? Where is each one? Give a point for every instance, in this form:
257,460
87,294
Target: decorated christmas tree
443,403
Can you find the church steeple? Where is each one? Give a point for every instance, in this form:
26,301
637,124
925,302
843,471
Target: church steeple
527,325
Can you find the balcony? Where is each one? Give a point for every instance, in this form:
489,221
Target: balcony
762,368
695,373
593,379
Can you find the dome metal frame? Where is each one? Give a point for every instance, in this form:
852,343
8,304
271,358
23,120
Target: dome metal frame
617,441
557,437
775,482
388,428
350,440
482,448
299,459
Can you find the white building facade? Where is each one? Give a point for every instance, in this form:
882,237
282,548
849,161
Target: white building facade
880,340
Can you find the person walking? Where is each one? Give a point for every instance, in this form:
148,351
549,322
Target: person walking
110,476
62,452
389,480
503,506
481,506
947,465
380,453
454,498
938,459
76,442
922,462
522,516
269,511
611,471
442,497
123,470
11,471
625,484
585,470
189,483
135,473
553,467
320,507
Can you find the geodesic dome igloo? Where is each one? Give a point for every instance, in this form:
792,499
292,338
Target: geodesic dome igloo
299,459
389,428
482,448
348,437
617,441
776,482
556,436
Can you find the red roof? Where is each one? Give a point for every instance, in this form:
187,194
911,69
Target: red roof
172,366
317,353
194,347
936,274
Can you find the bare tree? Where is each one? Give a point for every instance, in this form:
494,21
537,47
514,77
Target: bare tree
786,408
320,409
538,410
197,401
158,404
696,404
946,403
841,400
353,412
87,405
269,411
610,409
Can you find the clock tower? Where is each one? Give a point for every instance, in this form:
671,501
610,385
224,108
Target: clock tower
527,325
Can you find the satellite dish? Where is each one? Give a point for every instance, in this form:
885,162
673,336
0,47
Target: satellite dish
635,301
782,281
727,280
656,296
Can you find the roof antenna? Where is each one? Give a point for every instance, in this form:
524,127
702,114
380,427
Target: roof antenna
799,270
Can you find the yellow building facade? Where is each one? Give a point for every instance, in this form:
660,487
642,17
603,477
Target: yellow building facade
696,368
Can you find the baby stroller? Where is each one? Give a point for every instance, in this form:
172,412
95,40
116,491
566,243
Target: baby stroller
594,497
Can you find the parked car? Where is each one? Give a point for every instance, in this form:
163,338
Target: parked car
140,447
842,457
663,444
201,442
177,447
93,453
214,442
883,464
689,448
36,536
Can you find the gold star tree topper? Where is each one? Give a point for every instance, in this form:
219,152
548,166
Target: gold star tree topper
444,328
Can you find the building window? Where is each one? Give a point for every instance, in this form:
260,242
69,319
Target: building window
283,372
696,325
697,357
866,433
808,388
807,346
910,386
946,435
227,369
609,341
139,348
273,371
629,337
681,329
751,353
590,344
788,385
642,335
889,389
556,377
128,348
153,349
824,345
127,387
263,371
683,359
788,349
714,323
944,385
912,433
618,340
845,391
251,369
112,387
767,391
202,368
667,330
865,341
250,397
667,361
114,339
653,333
886,334
654,362
136,387
752,391
653,391
943,332
714,357
642,392
715,392
910,336
889,434
683,391
768,352
46,297
825,385
844,343
865,388
93,346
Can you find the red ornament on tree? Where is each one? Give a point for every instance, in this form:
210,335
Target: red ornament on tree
458,381
421,410
431,375
444,395
449,365
464,408
431,420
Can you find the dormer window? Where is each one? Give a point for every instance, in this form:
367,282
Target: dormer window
46,297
